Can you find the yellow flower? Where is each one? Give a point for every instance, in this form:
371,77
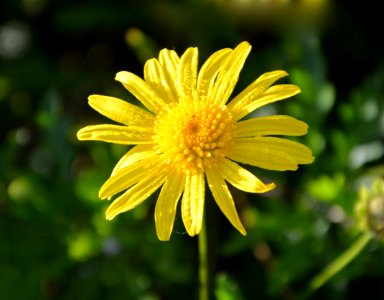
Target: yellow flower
188,134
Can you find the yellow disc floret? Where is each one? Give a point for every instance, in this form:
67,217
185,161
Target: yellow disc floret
192,137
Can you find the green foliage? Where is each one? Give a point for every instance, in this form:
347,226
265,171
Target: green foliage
54,240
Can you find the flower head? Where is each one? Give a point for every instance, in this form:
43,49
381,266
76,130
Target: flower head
188,135
370,208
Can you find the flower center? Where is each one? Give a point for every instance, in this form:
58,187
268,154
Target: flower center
192,137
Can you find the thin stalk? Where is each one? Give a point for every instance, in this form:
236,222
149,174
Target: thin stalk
339,263
203,263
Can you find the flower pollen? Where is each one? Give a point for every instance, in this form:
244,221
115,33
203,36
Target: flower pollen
192,138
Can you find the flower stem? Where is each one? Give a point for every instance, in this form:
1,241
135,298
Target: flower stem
203,263
339,263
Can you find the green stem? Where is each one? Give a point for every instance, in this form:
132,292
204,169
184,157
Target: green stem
339,263
203,263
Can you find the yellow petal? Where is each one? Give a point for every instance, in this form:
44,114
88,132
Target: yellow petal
263,158
273,94
128,176
116,134
299,152
192,205
141,90
224,199
166,204
187,75
208,72
271,125
169,61
255,90
229,74
135,154
270,153
241,178
138,193
154,75
121,111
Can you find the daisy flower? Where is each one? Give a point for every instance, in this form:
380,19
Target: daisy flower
189,133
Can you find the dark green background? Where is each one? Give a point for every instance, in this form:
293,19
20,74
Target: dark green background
54,240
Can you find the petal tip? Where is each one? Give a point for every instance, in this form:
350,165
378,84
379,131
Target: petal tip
95,100
82,134
92,97
163,238
102,195
109,216
312,159
244,47
241,229
269,187
122,76
191,232
245,44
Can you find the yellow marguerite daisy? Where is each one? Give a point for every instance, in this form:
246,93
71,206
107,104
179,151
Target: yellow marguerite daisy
188,134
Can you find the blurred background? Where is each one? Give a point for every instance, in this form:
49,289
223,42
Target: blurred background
54,240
